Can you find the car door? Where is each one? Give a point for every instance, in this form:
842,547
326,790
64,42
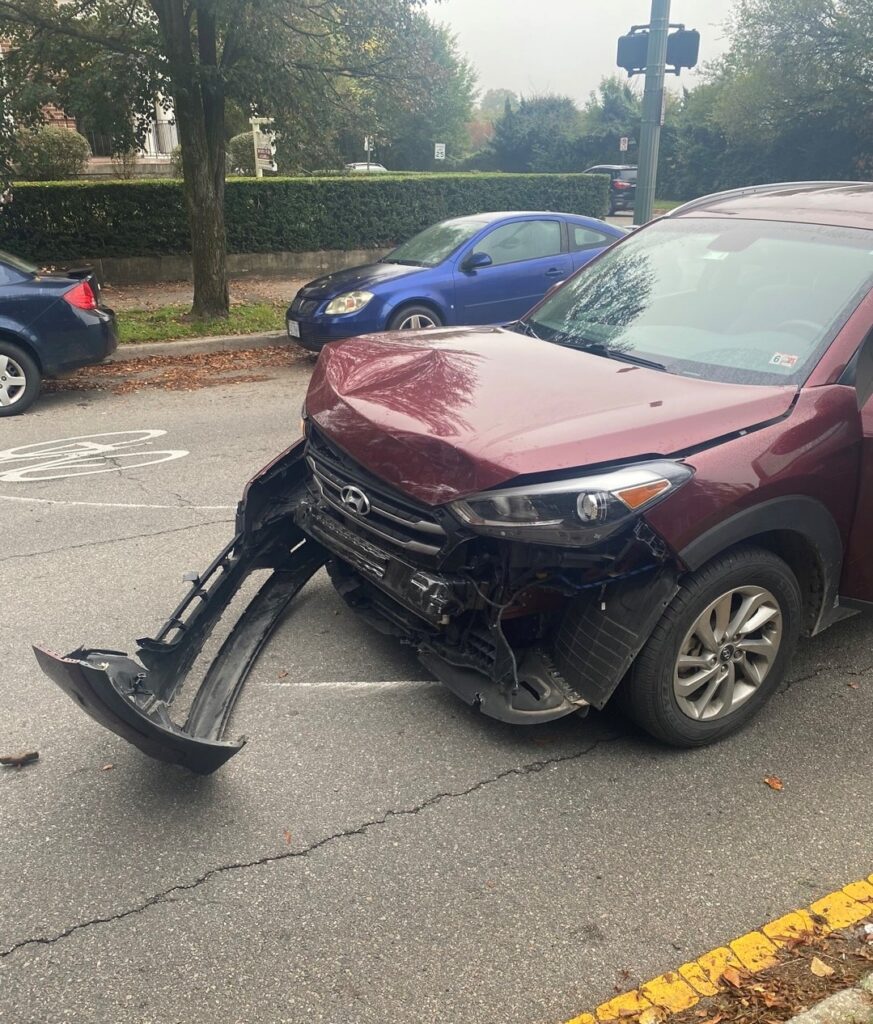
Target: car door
527,256
586,243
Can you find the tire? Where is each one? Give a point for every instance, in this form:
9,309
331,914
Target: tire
661,694
425,316
17,366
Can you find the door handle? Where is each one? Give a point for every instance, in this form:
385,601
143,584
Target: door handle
554,272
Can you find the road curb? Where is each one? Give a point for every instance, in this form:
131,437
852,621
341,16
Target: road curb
851,1006
679,990
195,346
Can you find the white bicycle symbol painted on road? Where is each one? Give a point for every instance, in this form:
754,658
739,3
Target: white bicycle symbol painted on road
83,456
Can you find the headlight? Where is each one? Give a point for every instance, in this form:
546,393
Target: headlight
575,512
351,302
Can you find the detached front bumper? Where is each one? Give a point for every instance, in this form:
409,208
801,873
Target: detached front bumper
132,698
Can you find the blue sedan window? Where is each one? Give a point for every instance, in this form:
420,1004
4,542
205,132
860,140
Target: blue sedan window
522,240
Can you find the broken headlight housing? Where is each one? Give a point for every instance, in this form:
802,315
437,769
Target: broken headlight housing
576,512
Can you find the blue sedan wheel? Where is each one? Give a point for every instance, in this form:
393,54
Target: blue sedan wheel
414,318
19,380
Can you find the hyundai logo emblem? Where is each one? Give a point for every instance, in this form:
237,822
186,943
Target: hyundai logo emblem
354,498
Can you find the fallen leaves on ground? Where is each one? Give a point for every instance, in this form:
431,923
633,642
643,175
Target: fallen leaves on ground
107,767
652,1015
820,969
810,968
286,835
181,372
774,782
19,760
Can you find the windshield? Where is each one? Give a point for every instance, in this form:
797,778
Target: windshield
435,243
741,301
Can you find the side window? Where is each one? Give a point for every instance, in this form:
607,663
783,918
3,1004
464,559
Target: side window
587,238
524,240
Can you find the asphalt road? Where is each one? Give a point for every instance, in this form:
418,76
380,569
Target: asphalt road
377,852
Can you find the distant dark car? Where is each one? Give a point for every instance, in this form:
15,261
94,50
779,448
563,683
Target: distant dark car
49,325
622,184
486,269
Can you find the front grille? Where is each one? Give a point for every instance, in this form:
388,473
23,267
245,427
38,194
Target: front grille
397,522
304,307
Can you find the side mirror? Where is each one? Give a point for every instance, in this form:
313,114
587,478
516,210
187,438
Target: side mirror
477,260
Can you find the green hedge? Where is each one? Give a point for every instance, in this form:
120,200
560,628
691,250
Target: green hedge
52,222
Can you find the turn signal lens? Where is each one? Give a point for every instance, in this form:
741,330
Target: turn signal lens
642,494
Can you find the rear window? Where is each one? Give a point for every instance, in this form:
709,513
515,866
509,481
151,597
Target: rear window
628,175
22,266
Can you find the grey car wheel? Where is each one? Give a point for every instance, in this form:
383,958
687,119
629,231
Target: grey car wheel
728,653
719,651
414,318
19,380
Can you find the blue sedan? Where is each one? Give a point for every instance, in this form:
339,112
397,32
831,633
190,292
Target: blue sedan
485,269
49,324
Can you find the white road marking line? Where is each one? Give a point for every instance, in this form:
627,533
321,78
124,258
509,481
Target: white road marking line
358,684
116,504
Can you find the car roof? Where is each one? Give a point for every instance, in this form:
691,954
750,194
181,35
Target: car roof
610,167
493,215
835,203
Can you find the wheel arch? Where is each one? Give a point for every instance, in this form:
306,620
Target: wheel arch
801,531
22,342
428,303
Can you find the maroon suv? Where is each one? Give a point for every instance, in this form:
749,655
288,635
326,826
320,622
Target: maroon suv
646,489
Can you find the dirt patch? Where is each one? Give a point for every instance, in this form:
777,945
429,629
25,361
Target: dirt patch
810,969
181,373
168,293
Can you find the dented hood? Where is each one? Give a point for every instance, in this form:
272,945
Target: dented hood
440,414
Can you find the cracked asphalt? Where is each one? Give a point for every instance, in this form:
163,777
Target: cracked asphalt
377,852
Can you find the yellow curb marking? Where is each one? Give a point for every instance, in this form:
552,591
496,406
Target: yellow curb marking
678,990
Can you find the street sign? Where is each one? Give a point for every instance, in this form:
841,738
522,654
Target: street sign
439,151
622,144
368,144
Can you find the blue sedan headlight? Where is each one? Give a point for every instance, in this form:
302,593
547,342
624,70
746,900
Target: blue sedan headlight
351,302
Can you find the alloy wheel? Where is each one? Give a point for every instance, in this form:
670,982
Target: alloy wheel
728,653
416,322
13,381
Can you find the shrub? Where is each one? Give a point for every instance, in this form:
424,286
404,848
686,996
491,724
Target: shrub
48,222
50,153
241,155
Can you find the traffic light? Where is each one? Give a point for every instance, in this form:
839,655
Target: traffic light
683,49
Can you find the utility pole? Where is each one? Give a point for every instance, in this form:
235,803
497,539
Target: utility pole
653,111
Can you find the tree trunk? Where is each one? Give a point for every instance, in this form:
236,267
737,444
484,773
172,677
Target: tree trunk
198,96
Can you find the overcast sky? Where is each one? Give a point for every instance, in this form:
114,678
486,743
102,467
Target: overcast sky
563,46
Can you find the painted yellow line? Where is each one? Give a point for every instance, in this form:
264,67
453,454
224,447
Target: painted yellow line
681,989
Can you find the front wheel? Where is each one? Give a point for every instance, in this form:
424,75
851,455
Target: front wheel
719,651
414,318
19,379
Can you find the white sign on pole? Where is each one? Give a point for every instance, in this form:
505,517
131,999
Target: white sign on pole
368,143
622,144
439,151
263,145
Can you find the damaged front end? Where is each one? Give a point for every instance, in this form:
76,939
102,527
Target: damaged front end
520,623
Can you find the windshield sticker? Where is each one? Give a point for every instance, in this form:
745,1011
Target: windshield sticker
783,359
